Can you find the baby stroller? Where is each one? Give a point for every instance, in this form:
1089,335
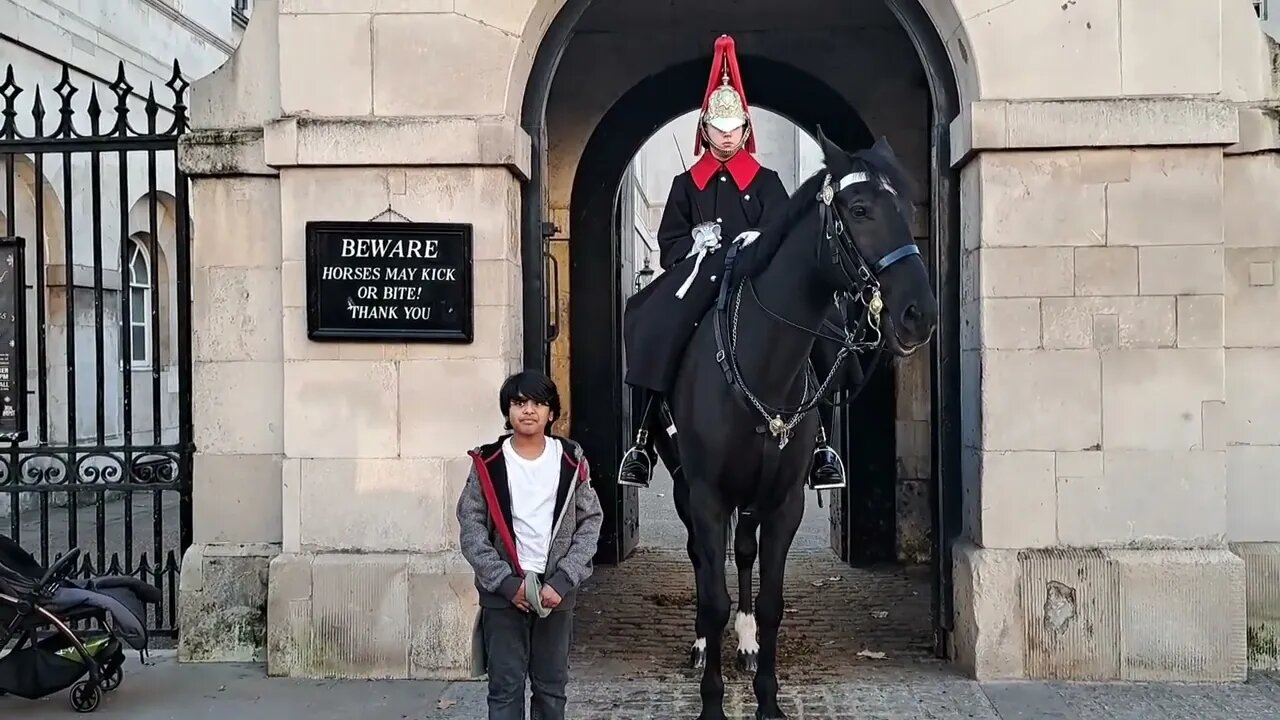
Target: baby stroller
37,608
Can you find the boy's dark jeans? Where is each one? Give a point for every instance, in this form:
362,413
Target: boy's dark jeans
519,643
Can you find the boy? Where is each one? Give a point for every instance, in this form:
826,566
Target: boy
529,522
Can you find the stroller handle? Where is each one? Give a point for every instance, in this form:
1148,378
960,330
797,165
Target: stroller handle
59,569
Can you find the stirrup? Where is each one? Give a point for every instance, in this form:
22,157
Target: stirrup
639,451
828,484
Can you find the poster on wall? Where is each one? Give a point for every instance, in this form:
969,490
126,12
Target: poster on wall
389,281
13,346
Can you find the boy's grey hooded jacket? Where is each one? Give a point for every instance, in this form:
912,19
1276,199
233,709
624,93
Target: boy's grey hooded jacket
487,537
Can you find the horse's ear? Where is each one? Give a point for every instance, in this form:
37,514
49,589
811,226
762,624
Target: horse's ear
883,148
836,159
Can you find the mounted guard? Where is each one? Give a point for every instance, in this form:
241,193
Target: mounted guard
724,198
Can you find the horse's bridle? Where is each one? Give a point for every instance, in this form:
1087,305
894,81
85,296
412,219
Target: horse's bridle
865,289
840,242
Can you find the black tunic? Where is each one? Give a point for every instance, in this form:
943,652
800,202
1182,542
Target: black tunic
657,325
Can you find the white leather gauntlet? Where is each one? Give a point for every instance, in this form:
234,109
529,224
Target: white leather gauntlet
706,236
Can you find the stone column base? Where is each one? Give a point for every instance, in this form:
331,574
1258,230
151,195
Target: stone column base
369,616
1100,614
1262,572
222,602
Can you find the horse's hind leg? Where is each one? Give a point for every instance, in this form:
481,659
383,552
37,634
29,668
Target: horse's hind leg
777,533
744,623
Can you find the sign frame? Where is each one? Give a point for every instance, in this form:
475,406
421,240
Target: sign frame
315,231
17,430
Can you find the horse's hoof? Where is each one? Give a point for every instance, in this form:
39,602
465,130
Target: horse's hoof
747,661
712,715
697,658
775,714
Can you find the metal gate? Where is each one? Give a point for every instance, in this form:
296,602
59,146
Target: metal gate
95,327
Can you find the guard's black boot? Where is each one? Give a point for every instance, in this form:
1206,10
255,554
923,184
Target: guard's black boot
827,472
636,467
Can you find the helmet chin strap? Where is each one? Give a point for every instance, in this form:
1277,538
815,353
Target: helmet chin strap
711,146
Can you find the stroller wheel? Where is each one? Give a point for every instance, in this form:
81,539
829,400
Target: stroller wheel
112,679
85,697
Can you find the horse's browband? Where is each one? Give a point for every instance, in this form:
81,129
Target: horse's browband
854,178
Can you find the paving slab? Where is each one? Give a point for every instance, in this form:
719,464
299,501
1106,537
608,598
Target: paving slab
168,690
1254,700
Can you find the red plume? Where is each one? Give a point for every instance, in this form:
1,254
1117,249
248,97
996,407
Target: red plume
725,53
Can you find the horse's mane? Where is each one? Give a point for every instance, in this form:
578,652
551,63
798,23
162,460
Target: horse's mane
801,202
880,165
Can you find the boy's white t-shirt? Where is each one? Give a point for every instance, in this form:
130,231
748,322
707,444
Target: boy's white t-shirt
533,501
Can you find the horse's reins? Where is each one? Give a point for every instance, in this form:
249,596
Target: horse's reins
841,246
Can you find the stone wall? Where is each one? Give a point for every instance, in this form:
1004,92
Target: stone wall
1115,411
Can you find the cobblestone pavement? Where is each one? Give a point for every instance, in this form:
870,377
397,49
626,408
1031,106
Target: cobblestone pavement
887,697
919,694
636,620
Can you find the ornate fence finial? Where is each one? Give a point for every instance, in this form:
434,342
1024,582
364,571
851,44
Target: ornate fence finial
65,90
122,89
10,91
72,124
178,85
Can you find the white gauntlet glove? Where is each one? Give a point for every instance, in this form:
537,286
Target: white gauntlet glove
706,236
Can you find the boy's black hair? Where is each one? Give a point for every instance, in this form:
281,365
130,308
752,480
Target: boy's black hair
528,385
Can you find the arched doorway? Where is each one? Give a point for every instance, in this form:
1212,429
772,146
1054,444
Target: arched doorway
595,319
636,108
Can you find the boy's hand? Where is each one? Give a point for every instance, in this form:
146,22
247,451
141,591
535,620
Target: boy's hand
520,601
550,598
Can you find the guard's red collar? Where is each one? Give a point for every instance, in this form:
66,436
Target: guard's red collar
742,166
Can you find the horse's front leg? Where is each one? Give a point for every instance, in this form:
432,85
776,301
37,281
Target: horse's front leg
778,531
745,549
680,493
680,497
710,525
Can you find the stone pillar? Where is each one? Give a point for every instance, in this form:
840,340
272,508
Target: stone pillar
1252,340
1094,385
328,472
1103,432
370,582
238,358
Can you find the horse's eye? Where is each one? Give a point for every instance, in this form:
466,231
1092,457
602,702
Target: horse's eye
859,211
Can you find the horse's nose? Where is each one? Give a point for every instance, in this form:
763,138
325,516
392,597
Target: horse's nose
915,321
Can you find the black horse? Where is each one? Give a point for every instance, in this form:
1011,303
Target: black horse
744,398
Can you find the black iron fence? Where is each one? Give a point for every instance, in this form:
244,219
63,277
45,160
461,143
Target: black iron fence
95,327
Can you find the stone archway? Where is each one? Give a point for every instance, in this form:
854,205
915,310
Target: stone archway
596,294
595,365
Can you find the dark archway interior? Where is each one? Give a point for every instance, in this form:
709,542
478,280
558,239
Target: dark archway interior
595,312
659,97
